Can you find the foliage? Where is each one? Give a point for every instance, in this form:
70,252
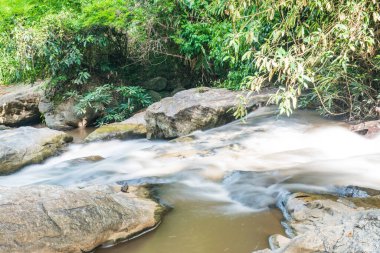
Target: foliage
102,100
326,47
323,53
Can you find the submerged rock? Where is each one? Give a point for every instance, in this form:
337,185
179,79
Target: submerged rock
64,115
19,105
2,127
195,109
134,127
26,145
56,219
326,223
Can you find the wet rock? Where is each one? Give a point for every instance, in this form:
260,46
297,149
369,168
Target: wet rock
134,127
195,109
19,105
64,115
156,84
356,191
326,223
253,189
26,145
368,128
86,159
2,127
56,219
278,241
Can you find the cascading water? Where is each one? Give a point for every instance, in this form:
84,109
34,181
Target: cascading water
222,182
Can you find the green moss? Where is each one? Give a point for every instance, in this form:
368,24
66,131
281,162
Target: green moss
117,131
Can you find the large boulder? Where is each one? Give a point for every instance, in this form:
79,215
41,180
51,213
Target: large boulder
64,115
19,105
326,223
27,145
134,127
196,109
73,220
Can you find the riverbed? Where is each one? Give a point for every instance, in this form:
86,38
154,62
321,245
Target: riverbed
222,184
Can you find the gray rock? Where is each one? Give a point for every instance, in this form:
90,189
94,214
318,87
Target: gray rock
19,105
156,84
64,116
56,219
26,145
134,127
325,223
195,109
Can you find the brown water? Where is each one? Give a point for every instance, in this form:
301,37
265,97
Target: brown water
204,226
80,134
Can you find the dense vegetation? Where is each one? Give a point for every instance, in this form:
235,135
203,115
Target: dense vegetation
320,53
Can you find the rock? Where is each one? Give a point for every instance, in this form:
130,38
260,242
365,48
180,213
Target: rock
175,83
326,223
165,94
53,219
156,84
19,105
27,145
134,127
278,241
195,109
368,128
176,90
86,159
154,95
2,127
64,116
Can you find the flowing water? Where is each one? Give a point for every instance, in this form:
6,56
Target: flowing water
223,183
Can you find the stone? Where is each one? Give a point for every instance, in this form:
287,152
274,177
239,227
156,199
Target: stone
176,90
154,95
134,127
368,128
196,109
19,105
278,241
64,115
328,223
54,219
27,145
183,81
86,159
2,127
156,84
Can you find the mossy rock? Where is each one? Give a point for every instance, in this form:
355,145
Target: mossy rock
118,131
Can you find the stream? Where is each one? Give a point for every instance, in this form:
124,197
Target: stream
223,183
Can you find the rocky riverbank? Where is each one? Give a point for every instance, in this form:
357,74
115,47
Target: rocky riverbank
100,215
329,223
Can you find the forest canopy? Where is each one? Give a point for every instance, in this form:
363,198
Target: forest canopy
323,53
